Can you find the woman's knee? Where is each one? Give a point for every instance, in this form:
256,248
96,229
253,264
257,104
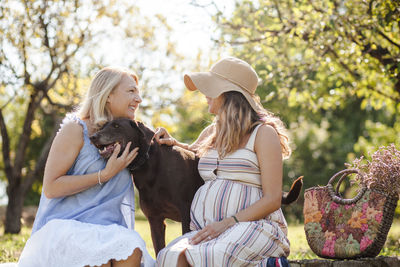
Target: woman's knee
182,261
133,260
137,252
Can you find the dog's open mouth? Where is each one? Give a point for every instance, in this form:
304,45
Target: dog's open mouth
107,150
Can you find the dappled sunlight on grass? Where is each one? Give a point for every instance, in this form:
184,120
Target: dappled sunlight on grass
173,230
12,245
298,242
299,248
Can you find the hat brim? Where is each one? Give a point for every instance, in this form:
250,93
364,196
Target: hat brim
212,85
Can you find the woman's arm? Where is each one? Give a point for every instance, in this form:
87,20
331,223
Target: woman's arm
164,138
269,154
63,152
268,149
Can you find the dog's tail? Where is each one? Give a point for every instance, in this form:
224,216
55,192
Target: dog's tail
294,192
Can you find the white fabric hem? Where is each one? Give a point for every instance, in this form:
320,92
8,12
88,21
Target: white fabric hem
71,243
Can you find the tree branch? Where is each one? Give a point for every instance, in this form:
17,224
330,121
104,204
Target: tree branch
278,10
26,133
387,38
344,65
67,57
46,43
7,63
256,40
66,107
357,76
394,98
8,101
27,76
5,147
272,32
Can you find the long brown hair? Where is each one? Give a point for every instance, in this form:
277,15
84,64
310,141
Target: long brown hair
235,120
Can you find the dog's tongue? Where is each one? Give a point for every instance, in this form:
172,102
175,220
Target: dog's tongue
106,153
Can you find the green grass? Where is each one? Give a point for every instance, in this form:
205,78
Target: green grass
12,245
298,243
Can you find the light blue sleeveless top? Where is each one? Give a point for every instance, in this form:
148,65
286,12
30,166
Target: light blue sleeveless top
100,204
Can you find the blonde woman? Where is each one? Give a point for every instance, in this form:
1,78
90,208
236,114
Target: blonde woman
86,211
235,216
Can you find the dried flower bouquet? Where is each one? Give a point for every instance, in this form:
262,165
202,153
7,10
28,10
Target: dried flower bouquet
381,172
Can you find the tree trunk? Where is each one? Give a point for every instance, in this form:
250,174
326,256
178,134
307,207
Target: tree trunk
14,209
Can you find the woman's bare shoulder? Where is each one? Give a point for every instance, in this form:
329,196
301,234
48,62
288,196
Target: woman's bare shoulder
70,133
267,136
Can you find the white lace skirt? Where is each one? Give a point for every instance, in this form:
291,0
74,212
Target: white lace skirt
73,243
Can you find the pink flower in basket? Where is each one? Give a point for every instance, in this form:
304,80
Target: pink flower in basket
330,235
329,248
334,205
364,227
378,217
365,242
371,213
365,207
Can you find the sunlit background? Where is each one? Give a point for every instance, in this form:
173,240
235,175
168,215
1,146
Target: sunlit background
181,26
329,69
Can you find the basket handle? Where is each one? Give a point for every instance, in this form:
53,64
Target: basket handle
338,199
344,175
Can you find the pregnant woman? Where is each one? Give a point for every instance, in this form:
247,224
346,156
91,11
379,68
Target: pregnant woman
236,218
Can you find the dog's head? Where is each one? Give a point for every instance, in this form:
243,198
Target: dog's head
121,131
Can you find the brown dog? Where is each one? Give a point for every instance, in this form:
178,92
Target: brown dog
165,176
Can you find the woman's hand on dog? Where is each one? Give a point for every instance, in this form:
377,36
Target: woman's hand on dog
116,164
163,138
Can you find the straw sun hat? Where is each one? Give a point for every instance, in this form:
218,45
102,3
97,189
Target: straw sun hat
228,74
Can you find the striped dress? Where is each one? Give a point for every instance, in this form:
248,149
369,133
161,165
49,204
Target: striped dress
231,184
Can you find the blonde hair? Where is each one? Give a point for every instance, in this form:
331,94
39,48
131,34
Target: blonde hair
94,105
235,120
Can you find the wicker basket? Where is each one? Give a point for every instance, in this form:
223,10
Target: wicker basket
338,228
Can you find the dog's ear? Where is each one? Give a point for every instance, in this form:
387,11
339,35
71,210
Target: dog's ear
144,145
148,133
133,124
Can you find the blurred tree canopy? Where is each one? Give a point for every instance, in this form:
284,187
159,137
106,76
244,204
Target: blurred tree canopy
48,52
319,52
329,68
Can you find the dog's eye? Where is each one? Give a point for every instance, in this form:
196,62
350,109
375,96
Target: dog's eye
116,125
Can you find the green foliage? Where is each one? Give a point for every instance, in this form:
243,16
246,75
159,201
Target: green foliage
329,69
187,119
49,52
12,245
192,109
316,53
